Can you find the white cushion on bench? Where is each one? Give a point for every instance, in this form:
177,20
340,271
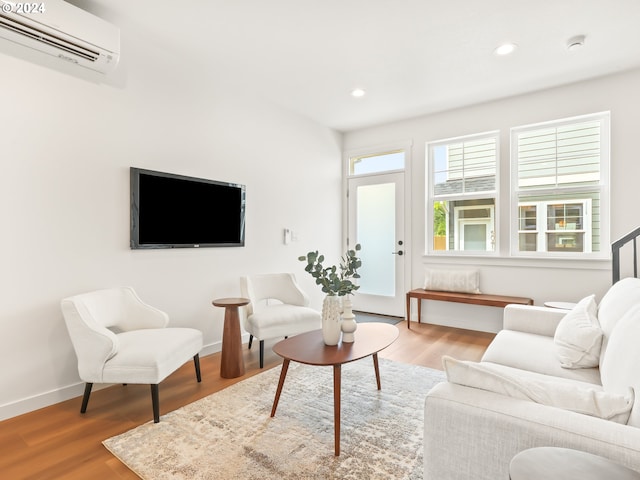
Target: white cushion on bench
447,280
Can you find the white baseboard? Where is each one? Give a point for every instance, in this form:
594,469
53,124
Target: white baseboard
36,402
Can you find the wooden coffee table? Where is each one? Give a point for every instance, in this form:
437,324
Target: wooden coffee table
309,348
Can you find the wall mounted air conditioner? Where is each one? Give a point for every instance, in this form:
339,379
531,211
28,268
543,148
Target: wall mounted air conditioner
62,30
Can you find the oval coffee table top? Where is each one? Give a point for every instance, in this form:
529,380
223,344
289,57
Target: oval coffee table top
309,347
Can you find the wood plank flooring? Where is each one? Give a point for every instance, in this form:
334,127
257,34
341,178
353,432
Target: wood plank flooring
58,442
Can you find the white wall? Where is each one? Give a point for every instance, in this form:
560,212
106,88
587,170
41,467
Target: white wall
66,147
541,280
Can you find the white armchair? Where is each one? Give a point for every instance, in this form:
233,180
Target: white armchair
278,308
119,339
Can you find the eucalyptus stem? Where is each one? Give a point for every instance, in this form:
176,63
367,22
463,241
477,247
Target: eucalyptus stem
335,279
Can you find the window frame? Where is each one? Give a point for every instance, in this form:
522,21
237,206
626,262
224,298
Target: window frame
563,194
542,230
352,159
430,198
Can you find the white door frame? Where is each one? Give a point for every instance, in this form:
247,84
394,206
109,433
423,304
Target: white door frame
405,282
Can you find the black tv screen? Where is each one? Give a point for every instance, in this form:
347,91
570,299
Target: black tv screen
175,211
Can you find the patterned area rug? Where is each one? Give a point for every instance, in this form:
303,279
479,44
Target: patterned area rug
230,434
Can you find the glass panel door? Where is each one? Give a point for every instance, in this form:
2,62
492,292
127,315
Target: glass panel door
376,221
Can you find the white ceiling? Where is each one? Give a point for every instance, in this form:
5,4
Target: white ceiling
412,57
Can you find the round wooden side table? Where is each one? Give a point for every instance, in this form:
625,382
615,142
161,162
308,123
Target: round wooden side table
232,361
543,463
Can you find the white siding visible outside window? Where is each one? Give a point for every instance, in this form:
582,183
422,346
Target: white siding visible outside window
560,198
462,179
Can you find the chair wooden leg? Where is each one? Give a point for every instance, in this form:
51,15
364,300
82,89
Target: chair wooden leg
85,398
155,401
196,362
250,341
261,353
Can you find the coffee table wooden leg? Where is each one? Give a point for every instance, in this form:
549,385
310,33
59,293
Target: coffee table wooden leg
377,369
283,374
337,373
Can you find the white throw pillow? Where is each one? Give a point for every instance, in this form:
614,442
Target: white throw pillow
553,393
464,281
578,338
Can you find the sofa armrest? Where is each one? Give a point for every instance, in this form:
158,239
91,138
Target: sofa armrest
473,433
530,319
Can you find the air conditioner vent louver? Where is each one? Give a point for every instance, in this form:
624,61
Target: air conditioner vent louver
63,31
47,38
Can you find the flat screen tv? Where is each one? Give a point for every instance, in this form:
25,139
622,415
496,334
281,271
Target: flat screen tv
175,211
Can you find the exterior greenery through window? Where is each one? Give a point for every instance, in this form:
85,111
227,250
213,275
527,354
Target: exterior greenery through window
560,193
462,189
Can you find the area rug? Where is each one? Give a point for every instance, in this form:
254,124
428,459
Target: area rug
230,434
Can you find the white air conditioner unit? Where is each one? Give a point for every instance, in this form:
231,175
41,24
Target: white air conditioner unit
62,30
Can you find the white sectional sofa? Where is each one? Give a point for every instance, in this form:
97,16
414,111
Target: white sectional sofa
520,396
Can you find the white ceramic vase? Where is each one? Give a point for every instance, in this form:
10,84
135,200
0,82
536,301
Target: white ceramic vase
331,321
349,324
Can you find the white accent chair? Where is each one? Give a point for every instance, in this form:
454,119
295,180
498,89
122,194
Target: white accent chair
278,308
119,339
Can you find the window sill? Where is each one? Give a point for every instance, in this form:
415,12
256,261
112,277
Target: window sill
519,262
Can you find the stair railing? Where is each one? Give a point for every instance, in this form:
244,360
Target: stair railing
615,250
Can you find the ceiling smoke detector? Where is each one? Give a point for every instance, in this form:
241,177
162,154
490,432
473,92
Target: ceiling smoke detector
575,43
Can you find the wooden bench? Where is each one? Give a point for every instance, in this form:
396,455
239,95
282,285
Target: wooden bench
472,298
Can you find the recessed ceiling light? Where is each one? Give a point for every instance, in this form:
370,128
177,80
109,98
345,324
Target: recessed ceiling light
505,49
357,92
575,43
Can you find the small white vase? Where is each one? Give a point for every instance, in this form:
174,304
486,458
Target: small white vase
331,320
349,324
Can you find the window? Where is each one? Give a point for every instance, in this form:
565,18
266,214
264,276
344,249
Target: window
376,163
560,194
461,194
555,226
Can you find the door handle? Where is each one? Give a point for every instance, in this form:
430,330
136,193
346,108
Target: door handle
399,252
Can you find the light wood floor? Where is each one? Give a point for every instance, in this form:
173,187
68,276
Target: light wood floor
58,442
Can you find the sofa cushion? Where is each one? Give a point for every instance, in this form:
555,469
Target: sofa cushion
546,391
578,338
527,375
534,353
618,300
620,366
452,280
